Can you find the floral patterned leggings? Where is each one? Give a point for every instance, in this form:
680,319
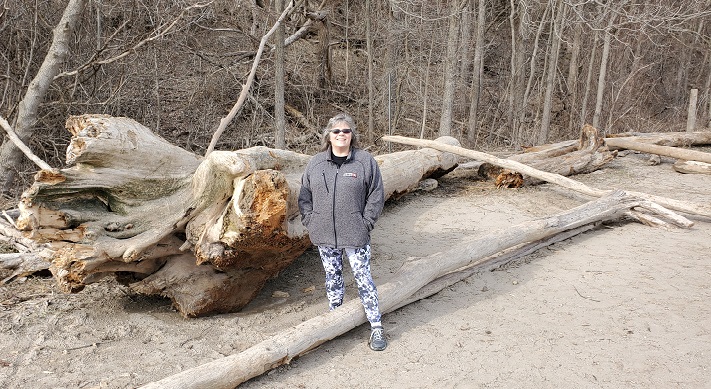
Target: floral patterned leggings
359,260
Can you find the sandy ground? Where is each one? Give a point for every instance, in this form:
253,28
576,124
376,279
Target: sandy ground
623,306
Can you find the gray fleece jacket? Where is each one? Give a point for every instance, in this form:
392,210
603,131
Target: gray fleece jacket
339,206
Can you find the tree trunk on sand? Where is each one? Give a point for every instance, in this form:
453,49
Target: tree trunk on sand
677,139
587,156
676,205
415,276
692,167
674,152
205,232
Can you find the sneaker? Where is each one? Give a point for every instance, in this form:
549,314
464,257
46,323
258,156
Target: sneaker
377,340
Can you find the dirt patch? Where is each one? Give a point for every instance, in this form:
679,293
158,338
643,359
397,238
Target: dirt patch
625,305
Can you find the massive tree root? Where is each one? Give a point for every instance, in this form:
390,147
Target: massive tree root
205,232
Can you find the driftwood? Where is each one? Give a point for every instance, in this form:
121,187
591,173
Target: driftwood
675,139
674,152
588,154
676,205
205,232
692,167
672,139
417,277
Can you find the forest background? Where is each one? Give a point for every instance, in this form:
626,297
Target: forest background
492,73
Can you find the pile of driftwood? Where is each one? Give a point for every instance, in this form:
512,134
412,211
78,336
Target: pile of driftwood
207,232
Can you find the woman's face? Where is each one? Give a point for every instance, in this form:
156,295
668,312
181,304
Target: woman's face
340,135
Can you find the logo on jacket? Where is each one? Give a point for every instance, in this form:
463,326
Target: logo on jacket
350,175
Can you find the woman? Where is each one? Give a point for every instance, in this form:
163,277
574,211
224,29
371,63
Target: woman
341,198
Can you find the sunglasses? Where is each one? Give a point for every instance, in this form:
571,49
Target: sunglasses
337,131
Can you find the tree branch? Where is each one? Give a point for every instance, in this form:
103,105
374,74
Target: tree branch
250,79
20,145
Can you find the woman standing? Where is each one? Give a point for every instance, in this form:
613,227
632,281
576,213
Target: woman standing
341,198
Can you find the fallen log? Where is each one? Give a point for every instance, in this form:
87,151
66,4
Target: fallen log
674,152
676,205
675,139
586,156
692,167
414,275
205,232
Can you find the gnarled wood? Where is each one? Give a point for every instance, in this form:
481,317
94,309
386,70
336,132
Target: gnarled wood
587,156
205,232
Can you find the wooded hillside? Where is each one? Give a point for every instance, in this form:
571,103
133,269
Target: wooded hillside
491,73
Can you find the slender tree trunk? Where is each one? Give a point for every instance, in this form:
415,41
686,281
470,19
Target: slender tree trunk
532,65
473,130
512,79
572,82
588,82
27,110
279,116
450,70
393,55
691,114
601,80
552,70
371,84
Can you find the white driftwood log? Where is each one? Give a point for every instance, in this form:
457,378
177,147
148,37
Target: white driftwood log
692,167
415,277
205,232
676,205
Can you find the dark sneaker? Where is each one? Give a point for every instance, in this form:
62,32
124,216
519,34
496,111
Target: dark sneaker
377,340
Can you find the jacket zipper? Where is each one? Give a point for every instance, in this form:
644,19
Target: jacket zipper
333,207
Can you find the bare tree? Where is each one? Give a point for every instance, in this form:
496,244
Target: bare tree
475,94
601,79
10,155
552,70
450,68
279,115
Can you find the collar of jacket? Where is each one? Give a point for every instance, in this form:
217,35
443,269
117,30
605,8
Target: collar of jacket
348,157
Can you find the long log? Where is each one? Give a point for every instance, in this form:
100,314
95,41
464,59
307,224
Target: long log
414,275
675,139
692,167
205,232
676,205
674,152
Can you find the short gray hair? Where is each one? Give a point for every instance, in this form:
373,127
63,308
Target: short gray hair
341,117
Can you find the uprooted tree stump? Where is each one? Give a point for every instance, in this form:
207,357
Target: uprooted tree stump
205,232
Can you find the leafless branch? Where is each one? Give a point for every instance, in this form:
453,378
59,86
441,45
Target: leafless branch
26,150
224,122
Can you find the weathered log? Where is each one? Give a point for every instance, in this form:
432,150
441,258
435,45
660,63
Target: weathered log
588,155
675,139
674,152
205,232
414,275
692,167
676,205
